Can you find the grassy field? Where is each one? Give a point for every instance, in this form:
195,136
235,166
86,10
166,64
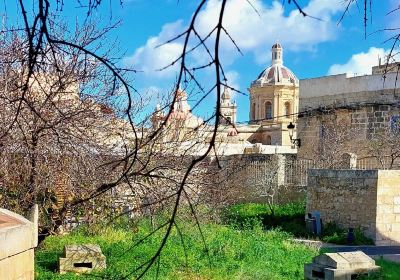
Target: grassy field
288,218
390,270
243,247
232,254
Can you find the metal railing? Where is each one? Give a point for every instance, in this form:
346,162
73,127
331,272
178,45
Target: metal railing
381,162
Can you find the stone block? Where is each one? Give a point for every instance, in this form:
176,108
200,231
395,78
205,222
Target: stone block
396,209
386,219
17,240
20,266
384,227
384,209
385,199
384,191
16,234
82,259
339,266
396,200
395,227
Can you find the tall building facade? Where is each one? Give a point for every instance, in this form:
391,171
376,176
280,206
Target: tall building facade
274,100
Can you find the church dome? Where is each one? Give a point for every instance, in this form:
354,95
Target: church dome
277,73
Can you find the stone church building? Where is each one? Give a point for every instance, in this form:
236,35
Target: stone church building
274,102
278,98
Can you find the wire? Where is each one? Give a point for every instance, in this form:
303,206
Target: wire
324,109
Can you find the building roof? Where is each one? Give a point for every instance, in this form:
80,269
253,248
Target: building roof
276,46
277,73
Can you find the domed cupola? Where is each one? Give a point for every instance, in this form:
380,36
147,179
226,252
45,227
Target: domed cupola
277,73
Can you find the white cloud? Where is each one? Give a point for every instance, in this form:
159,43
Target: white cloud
360,63
149,58
256,31
233,79
253,32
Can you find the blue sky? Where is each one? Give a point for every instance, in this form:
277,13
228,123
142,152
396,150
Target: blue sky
312,47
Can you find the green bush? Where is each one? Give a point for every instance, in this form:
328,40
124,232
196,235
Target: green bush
287,217
332,233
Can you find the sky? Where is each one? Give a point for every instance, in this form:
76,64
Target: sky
312,47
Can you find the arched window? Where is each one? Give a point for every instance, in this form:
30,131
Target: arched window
268,110
253,111
287,109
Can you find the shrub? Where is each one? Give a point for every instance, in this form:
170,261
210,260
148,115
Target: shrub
332,233
287,217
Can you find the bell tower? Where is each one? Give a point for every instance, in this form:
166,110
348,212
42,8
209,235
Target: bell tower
228,110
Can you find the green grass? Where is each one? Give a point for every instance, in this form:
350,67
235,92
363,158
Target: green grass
336,235
252,244
233,253
288,218
389,271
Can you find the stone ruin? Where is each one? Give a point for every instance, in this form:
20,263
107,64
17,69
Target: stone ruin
340,266
82,259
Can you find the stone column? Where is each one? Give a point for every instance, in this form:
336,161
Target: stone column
276,105
281,161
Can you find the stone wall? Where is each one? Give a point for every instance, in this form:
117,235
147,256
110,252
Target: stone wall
366,105
18,238
258,178
383,96
368,199
388,208
360,123
359,87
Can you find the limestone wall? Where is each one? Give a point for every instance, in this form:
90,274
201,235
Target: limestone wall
359,124
368,199
18,267
18,238
388,208
339,84
365,105
346,197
